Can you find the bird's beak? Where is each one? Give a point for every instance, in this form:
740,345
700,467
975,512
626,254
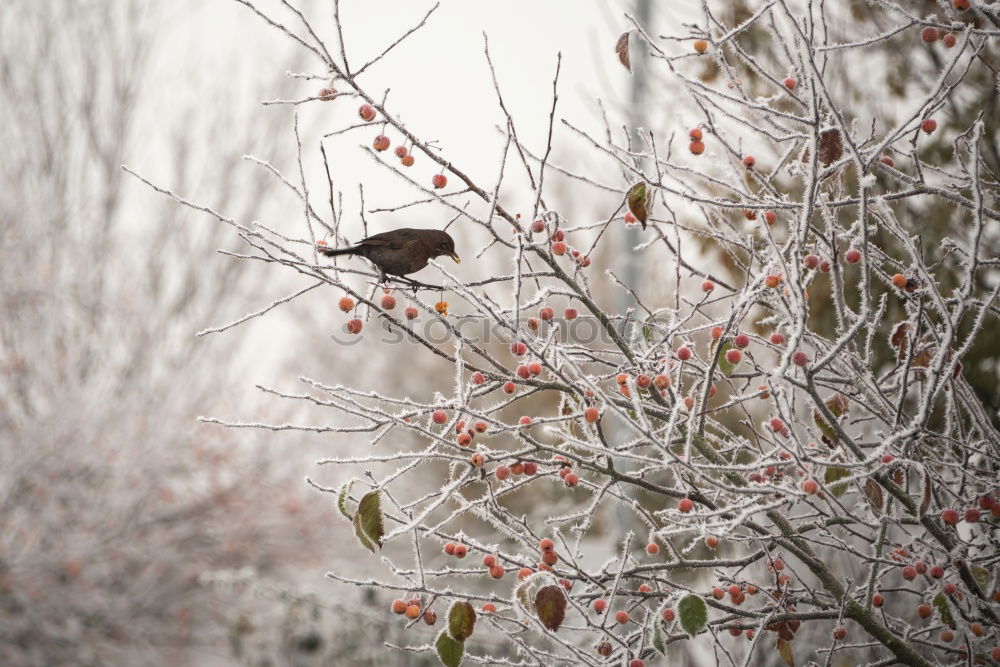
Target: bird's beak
455,257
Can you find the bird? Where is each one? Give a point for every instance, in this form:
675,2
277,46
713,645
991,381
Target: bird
401,251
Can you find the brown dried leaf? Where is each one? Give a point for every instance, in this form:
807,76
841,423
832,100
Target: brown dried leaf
873,491
550,603
785,651
831,146
899,339
838,404
621,48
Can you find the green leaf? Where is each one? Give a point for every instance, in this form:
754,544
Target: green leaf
449,650
941,604
693,613
647,330
640,200
360,534
834,473
824,427
981,575
369,519
658,643
345,491
461,620
550,605
785,651
724,365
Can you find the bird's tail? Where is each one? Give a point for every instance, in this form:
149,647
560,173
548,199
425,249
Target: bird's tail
333,252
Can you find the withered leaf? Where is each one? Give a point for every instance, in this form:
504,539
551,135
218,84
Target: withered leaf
899,339
550,605
925,501
621,48
785,651
873,491
831,146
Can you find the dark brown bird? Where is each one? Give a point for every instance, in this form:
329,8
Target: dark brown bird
401,251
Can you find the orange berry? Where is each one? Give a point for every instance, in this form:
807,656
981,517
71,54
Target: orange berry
407,160
700,46
398,606
696,148
413,611
899,280
346,304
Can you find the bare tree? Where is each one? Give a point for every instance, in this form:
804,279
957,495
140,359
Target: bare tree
113,501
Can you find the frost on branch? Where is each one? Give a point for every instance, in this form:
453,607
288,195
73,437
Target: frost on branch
783,409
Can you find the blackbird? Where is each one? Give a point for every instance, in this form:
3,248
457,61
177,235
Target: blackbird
401,251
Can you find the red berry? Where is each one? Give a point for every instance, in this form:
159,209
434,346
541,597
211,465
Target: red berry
478,378
535,368
777,338
696,147
439,181
684,353
346,304
636,662
810,486
790,83
450,548
716,333
824,266
398,606
406,160
962,5
668,615
778,565
924,611
411,313
559,248
524,573
477,459
600,605
461,550
840,632
950,516
509,387
937,571
741,340
570,313
707,286
811,261
972,515
630,218
546,544
733,356
887,161
538,226
439,416
770,217
401,151
430,617
524,421
388,302
777,424
878,600
591,414
929,125
502,473
685,505
929,35
546,313
366,112
489,608
354,326
749,161
497,571
622,617
695,134
413,611
645,588
530,468
800,358
571,479
327,94
381,143
652,548
519,349
949,39
718,593
852,256
909,573
661,382
604,648
947,636
711,541
643,381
